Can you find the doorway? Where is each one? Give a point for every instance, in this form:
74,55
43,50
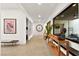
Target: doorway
26,29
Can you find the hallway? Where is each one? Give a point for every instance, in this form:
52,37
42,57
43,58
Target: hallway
26,23
35,47
15,15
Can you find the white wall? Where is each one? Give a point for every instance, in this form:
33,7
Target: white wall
0,29
20,35
0,21
20,25
20,17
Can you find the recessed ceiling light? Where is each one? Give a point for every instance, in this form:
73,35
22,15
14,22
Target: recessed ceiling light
39,16
39,3
74,5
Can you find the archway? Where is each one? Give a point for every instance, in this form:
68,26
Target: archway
29,29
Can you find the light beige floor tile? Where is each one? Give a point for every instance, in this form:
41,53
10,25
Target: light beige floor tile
35,47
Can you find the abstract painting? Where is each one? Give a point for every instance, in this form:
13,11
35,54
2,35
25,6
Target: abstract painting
9,26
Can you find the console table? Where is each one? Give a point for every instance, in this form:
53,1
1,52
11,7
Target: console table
56,43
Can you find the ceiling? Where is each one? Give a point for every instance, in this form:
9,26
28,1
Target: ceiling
9,6
70,13
38,12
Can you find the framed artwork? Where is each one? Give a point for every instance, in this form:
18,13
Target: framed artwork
39,27
9,26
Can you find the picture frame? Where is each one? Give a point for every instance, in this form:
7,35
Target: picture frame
9,26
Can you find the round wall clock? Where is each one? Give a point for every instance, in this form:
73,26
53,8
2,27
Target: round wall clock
39,27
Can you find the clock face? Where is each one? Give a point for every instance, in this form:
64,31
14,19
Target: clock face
39,27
